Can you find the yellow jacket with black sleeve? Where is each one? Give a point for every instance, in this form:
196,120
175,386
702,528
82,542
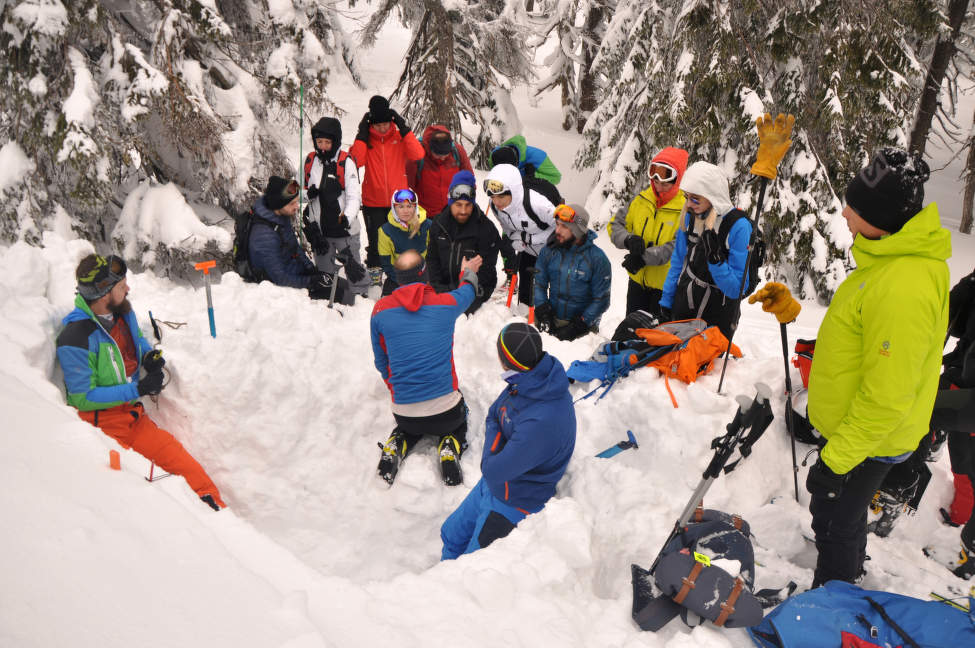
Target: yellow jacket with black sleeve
875,372
656,226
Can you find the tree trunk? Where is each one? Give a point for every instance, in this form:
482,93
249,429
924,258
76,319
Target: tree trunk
587,78
944,50
965,227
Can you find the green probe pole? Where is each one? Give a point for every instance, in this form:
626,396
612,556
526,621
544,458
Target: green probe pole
301,155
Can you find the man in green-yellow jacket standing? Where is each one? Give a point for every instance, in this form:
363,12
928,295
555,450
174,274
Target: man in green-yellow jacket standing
878,354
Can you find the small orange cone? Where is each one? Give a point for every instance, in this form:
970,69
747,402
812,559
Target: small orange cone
114,461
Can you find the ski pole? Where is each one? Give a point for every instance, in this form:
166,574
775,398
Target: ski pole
531,294
205,267
788,406
331,296
301,157
773,142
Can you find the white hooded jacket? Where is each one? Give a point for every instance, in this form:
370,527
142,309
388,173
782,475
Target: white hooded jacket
351,199
525,235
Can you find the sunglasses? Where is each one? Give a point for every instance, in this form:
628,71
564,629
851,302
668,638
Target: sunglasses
404,196
462,192
565,214
691,198
495,188
662,172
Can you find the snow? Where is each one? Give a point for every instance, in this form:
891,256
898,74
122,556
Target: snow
14,165
47,17
160,215
284,409
79,109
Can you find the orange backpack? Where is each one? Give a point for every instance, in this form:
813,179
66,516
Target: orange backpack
698,348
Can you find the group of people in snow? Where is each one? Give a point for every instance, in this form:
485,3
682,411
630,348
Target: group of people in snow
873,385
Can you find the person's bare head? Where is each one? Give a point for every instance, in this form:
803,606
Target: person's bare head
408,260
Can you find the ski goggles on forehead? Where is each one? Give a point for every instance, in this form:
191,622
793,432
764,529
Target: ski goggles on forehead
495,187
662,172
565,214
107,272
462,192
404,196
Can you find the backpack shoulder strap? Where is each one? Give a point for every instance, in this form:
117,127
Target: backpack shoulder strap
527,204
728,222
309,161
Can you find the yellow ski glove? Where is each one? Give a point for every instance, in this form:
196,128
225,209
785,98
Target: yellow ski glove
777,299
773,142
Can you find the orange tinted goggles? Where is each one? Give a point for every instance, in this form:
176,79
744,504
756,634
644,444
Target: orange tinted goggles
565,214
662,172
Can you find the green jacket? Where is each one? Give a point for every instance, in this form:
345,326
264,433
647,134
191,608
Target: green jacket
875,371
535,157
656,226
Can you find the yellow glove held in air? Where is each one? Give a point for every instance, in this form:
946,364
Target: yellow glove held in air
777,299
773,142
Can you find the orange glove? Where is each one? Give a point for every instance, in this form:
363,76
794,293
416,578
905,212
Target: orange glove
777,299
773,142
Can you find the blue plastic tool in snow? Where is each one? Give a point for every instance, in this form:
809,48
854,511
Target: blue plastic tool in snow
205,267
619,447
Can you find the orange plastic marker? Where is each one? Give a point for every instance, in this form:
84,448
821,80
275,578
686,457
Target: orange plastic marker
114,461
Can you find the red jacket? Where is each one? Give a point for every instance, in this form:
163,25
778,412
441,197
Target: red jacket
385,161
432,181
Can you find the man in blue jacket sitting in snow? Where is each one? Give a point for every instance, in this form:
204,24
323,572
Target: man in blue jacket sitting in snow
573,277
529,438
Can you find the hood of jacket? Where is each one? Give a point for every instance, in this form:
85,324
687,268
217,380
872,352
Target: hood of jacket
544,381
411,295
428,134
81,311
519,142
510,177
677,158
708,180
921,236
331,128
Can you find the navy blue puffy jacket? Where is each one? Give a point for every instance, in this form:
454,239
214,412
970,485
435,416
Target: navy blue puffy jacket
530,436
275,254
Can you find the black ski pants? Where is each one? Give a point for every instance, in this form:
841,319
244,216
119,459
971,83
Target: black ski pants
374,218
639,297
840,525
452,422
526,278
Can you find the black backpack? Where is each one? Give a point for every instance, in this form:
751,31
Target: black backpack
532,183
757,259
243,223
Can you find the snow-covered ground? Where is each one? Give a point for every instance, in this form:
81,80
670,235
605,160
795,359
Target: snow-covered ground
284,409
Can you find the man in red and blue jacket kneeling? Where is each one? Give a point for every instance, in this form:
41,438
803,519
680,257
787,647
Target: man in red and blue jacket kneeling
530,435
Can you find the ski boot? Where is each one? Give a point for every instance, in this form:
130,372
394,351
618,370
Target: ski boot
961,564
450,452
394,451
887,508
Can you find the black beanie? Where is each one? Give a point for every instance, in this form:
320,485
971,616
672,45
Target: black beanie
507,154
519,346
279,192
379,110
416,274
890,190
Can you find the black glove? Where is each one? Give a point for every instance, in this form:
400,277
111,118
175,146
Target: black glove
635,244
510,266
363,132
312,192
823,482
574,329
153,361
713,248
354,271
313,232
320,287
400,123
666,315
544,317
633,262
151,384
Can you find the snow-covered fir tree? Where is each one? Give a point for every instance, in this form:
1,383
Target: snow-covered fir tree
696,74
104,97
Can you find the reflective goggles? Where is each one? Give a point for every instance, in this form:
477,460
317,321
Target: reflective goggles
662,172
462,192
565,214
107,272
495,188
404,196
691,198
